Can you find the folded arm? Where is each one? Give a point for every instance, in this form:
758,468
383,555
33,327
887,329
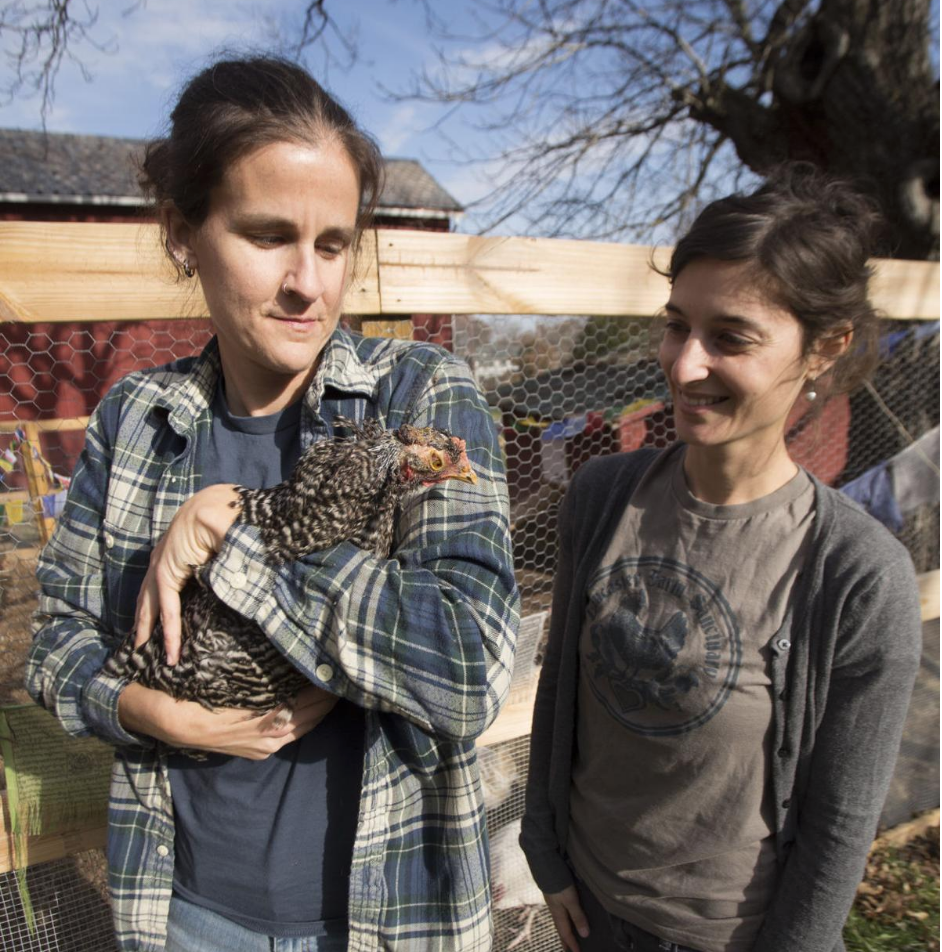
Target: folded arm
429,633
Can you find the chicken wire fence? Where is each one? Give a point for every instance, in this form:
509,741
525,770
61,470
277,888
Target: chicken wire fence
561,390
70,911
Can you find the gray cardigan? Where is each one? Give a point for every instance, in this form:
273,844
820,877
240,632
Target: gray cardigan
843,667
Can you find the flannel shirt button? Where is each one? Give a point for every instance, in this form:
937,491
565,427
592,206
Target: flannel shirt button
238,580
324,672
163,850
109,540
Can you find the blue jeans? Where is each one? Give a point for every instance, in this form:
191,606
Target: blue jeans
192,928
608,933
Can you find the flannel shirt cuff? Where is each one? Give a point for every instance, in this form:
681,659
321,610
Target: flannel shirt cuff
240,574
100,708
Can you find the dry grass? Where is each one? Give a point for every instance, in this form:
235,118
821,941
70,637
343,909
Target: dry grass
897,905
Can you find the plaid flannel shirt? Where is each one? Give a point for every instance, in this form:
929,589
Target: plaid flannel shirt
423,641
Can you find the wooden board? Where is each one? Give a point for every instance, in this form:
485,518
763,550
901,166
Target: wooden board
929,594
398,328
79,271
86,271
428,272
43,849
37,480
906,290
46,426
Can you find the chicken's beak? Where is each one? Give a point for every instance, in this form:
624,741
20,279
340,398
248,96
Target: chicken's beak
465,473
463,470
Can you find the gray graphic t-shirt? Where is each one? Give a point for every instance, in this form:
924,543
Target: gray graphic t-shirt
670,820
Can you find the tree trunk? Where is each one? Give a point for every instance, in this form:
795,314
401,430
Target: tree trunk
852,91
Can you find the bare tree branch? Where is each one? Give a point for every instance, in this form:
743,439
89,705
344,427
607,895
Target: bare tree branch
319,28
617,117
38,37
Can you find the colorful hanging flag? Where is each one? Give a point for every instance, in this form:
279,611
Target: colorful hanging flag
14,513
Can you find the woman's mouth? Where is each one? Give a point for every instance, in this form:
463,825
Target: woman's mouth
695,401
296,321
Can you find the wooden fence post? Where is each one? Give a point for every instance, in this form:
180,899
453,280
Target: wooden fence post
37,480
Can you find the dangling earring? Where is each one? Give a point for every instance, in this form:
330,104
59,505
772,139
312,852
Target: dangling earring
811,394
188,269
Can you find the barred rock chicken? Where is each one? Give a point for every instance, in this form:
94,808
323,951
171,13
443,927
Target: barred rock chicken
340,490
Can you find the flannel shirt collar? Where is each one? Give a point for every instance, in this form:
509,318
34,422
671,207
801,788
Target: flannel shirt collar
340,368
190,397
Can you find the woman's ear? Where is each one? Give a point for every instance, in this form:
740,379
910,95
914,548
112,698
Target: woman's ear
827,351
179,239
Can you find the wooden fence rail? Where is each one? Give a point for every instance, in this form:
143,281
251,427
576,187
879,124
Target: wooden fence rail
62,272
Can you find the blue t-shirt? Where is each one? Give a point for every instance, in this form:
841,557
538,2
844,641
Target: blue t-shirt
268,844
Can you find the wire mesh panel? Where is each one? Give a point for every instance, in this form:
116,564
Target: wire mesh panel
565,389
561,390
521,919
69,907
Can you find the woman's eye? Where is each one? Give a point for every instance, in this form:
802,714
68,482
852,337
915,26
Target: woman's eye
267,241
734,340
674,328
331,250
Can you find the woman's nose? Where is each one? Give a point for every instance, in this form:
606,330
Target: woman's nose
305,279
691,361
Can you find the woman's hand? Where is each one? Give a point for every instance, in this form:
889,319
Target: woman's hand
230,731
567,914
195,535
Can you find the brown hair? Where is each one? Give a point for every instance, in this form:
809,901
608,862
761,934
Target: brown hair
810,238
233,108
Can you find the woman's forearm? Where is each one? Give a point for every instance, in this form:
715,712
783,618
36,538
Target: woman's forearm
239,733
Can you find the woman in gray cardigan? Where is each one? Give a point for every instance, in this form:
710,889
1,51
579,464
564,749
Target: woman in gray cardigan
733,643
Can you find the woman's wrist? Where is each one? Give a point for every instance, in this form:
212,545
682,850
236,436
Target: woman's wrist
142,710
218,509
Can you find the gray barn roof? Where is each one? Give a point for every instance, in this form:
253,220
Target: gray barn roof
100,170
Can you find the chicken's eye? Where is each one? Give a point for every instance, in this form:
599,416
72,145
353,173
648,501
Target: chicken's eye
435,461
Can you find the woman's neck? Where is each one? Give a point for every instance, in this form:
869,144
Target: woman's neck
254,398
732,475
256,391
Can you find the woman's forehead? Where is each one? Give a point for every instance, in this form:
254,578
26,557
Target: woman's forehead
734,287
280,177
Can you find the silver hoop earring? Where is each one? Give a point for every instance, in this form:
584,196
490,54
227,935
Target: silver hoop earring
284,288
188,269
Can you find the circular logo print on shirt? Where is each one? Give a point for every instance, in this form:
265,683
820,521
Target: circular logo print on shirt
661,646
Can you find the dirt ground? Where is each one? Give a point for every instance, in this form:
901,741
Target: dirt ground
899,897
17,604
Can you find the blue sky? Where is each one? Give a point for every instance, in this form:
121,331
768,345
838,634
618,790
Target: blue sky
152,47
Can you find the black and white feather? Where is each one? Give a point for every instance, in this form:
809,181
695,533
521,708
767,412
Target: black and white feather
345,489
